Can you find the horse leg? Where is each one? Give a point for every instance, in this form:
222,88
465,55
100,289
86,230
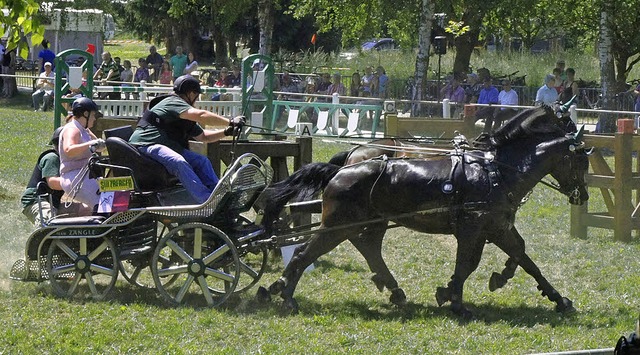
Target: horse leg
369,244
499,280
512,243
303,256
468,255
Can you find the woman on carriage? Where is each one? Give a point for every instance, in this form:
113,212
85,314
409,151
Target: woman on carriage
76,146
164,130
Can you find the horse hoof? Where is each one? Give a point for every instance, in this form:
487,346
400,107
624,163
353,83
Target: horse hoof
263,295
377,280
442,296
496,281
290,306
565,306
276,287
398,297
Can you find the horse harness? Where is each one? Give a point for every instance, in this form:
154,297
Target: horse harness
457,176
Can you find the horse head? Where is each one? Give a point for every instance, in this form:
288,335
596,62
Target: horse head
569,165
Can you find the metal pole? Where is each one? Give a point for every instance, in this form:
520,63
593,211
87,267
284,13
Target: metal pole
438,93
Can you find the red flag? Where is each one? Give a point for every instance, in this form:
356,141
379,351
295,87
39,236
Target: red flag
313,39
91,48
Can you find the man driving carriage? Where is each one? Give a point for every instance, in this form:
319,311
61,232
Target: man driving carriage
164,130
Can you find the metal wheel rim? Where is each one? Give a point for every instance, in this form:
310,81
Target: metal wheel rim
202,257
69,261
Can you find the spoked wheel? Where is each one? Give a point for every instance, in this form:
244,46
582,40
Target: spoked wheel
137,270
204,262
253,262
69,261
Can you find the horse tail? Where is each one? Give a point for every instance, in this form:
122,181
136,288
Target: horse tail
302,185
340,158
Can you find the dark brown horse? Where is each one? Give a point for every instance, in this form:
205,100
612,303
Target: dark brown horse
473,195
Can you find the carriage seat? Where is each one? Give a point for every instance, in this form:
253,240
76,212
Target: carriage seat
148,174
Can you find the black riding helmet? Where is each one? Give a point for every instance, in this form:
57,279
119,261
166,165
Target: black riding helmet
186,84
82,105
55,138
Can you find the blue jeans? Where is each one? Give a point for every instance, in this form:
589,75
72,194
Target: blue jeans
194,171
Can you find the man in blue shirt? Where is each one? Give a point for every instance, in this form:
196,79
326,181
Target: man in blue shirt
46,55
489,96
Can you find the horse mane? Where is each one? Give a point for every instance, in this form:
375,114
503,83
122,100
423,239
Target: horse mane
538,120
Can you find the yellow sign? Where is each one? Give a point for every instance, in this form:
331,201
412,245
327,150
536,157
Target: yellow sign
124,183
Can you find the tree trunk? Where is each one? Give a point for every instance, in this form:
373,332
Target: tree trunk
422,59
606,122
266,23
10,87
233,47
466,42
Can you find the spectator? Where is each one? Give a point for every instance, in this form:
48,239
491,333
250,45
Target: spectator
154,61
570,86
109,73
77,143
178,63
310,88
163,133
547,94
165,74
507,96
118,63
322,86
560,65
192,64
222,82
126,76
287,85
141,75
354,87
45,178
488,96
336,86
46,55
472,89
453,91
235,79
44,91
383,81
559,83
365,83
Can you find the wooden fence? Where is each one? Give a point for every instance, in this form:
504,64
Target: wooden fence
619,184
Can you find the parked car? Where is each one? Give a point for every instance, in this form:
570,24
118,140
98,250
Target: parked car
379,44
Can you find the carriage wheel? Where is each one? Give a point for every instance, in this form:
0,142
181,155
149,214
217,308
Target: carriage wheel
253,262
137,271
203,260
69,261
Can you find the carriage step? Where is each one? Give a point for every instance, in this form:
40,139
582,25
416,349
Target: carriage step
76,220
130,253
21,271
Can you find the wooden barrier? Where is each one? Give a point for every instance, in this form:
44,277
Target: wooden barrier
620,186
276,151
423,126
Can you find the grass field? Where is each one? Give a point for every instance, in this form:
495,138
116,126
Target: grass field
340,312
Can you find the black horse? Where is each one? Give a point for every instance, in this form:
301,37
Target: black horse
473,195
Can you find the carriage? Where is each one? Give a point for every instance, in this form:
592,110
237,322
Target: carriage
150,233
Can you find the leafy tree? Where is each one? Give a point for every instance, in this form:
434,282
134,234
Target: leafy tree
21,20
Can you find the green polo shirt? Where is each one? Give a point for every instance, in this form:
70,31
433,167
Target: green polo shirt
169,110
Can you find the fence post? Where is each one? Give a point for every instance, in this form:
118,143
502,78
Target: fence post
143,95
446,109
622,186
335,122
